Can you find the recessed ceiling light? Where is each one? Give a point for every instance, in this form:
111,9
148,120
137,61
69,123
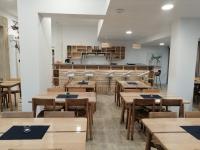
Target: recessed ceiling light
129,32
162,44
167,6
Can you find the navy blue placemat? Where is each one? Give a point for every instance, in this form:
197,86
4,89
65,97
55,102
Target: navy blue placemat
133,83
17,133
151,96
85,82
193,130
67,96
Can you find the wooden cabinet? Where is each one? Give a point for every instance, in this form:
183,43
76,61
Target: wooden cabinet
117,52
75,51
78,52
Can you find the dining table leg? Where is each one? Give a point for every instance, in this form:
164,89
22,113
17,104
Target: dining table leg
148,141
129,122
122,113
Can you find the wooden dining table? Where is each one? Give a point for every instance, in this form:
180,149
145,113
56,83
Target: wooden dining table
87,86
122,85
63,134
171,129
81,95
8,85
178,141
127,99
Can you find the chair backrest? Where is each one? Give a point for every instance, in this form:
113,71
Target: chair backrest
59,114
162,115
142,102
41,102
173,102
56,89
133,90
74,89
192,114
14,79
151,90
77,103
17,115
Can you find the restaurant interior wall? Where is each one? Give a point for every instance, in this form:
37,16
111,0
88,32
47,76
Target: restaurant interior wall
32,64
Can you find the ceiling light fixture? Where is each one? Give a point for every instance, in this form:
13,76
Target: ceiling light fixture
162,44
129,32
136,46
167,6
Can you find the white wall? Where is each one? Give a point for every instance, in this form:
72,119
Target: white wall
63,35
33,66
143,55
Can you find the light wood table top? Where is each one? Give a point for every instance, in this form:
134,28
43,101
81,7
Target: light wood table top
63,133
165,125
52,95
129,96
178,141
56,124
139,85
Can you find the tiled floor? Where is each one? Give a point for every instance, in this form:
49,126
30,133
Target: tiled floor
108,133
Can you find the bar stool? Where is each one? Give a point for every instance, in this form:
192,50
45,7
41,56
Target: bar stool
157,78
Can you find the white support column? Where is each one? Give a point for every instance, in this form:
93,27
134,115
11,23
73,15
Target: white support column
184,42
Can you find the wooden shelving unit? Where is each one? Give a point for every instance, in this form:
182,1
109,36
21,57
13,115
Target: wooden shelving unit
75,51
117,52
112,53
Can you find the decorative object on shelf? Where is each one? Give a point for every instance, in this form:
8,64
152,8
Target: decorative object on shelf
155,60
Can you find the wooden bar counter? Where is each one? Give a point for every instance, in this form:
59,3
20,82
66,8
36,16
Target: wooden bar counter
105,76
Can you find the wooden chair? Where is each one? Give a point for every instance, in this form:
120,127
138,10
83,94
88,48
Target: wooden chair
17,115
15,91
151,90
173,102
162,115
138,112
56,89
80,106
124,106
59,114
133,90
3,99
154,142
193,114
49,105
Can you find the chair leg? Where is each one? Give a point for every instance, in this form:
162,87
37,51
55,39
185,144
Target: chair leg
15,97
127,118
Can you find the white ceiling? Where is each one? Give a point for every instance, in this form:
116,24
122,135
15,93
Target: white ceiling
145,18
